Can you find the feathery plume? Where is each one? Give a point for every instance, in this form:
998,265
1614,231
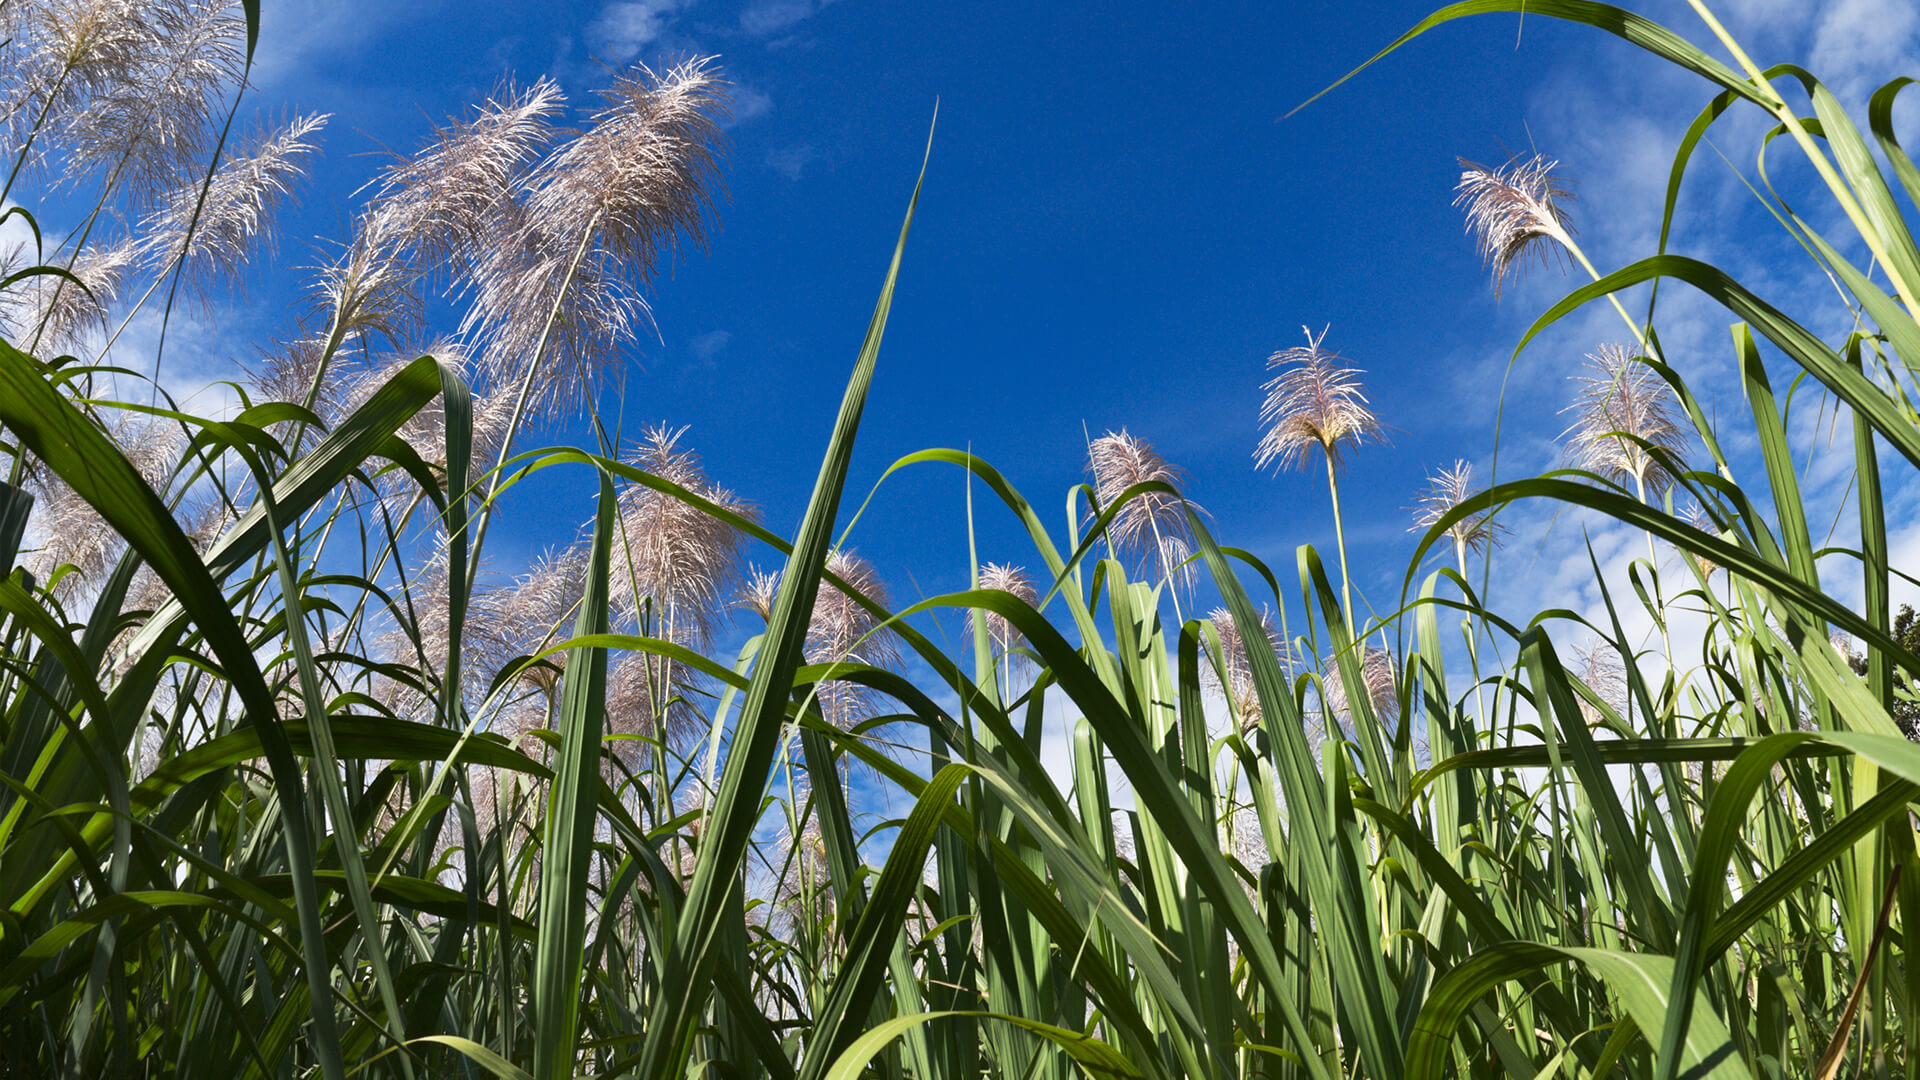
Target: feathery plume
59,316
534,611
448,213
1597,664
680,557
1624,413
642,685
1316,402
367,291
1447,489
600,215
1514,210
1696,516
445,205
1152,527
67,52
801,863
216,236
287,370
205,518
840,630
1007,579
695,795
72,533
758,592
646,172
529,292
673,569
1378,683
1248,840
148,126
423,633
1236,682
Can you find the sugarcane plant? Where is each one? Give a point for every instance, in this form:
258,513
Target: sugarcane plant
294,785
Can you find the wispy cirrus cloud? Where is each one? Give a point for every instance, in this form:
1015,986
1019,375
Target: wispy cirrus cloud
770,17
708,346
750,102
1856,41
301,38
625,27
793,161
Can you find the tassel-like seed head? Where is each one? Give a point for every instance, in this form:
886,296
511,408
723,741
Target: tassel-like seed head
1447,489
1008,579
1626,423
1236,682
1314,403
214,232
1151,527
1515,212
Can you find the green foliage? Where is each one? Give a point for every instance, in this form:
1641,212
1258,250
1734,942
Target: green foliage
240,837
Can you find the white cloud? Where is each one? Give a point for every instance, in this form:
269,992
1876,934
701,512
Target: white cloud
191,343
1851,45
771,17
297,37
749,103
1860,43
1903,551
1056,755
792,161
15,233
195,363
709,345
625,27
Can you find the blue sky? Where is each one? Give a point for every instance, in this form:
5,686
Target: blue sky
1117,229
